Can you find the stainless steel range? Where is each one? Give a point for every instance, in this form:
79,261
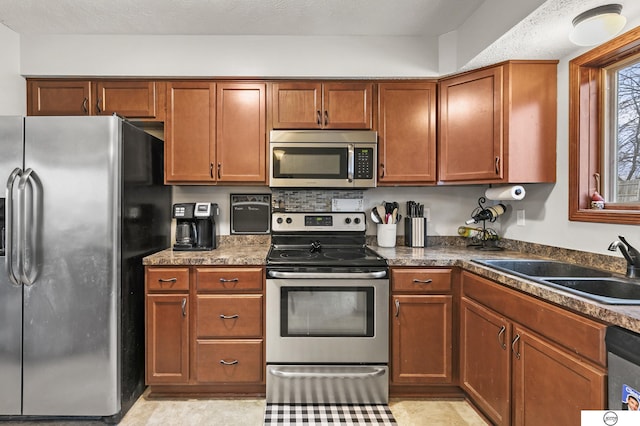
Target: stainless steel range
327,311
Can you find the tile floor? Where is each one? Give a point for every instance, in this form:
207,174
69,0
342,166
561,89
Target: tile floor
249,412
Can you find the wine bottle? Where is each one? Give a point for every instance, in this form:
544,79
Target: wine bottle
490,214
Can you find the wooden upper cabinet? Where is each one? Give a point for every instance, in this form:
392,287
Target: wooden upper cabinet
59,97
141,99
190,132
241,132
498,124
315,105
131,99
215,133
407,133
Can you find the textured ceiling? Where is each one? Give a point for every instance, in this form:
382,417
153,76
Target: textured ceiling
543,34
237,17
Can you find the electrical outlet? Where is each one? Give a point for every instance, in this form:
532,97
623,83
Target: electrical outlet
427,214
520,221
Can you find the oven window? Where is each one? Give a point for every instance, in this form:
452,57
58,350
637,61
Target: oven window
316,163
327,312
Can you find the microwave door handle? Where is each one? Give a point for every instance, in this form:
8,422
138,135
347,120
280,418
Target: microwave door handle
351,162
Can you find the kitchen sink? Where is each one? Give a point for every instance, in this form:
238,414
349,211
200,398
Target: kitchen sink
606,290
596,284
542,268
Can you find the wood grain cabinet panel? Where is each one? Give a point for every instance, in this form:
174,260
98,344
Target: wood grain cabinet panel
230,361
518,376
167,339
421,342
131,99
165,279
407,133
498,124
59,97
233,279
229,316
322,105
420,280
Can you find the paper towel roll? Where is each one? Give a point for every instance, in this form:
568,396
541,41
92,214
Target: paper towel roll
513,192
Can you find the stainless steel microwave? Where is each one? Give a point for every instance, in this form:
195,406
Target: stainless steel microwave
323,158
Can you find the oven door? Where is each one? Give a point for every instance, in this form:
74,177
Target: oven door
317,320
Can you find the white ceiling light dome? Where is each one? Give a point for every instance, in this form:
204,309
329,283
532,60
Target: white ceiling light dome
597,25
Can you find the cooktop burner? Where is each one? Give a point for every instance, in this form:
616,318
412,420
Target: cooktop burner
321,239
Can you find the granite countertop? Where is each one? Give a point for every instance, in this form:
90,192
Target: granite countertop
254,252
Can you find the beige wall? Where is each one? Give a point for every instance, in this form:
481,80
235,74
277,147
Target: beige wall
12,85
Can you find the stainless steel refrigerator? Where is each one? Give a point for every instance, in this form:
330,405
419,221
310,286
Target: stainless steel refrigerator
84,203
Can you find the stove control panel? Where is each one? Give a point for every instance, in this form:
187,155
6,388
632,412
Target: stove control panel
318,221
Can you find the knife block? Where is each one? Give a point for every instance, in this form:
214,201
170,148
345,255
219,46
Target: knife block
415,231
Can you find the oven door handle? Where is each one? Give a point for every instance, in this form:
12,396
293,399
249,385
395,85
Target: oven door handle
374,372
327,275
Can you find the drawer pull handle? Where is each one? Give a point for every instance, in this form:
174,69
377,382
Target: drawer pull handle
513,346
232,280
427,281
229,316
397,303
167,280
223,362
501,337
184,306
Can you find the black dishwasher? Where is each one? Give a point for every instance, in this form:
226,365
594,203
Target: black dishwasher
623,358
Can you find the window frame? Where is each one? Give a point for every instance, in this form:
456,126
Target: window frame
586,123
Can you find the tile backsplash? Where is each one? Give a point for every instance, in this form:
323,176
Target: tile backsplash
305,200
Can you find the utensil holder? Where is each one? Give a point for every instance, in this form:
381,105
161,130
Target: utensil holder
387,234
415,231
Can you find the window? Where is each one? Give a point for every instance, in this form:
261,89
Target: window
622,132
604,150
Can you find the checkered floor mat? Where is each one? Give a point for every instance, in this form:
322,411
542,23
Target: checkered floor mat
328,414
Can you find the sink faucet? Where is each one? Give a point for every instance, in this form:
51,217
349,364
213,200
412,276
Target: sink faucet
631,254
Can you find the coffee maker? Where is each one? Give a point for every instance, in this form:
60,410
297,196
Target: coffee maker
195,226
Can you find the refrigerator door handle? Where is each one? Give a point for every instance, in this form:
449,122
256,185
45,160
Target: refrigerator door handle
29,224
14,276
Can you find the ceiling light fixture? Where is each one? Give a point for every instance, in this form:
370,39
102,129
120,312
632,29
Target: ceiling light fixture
597,25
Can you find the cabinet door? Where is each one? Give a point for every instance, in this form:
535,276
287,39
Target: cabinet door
64,97
190,132
167,346
347,106
224,315
421,339
297,105
485,371
470,127
407,133
241,132
230,361
550,385
131,99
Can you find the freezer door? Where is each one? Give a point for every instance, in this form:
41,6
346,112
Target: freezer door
10,294
70,344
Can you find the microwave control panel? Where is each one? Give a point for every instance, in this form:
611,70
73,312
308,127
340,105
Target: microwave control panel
363,168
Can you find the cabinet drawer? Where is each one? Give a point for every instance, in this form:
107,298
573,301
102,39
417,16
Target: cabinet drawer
229,316
229,279
229,361
167,279
421,280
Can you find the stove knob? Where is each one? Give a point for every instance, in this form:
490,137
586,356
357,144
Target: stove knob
356,220
347,220
279,220
289,220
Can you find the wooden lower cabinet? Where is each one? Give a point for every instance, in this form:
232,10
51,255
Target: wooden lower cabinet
526,362
421,331
167,338
205,330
